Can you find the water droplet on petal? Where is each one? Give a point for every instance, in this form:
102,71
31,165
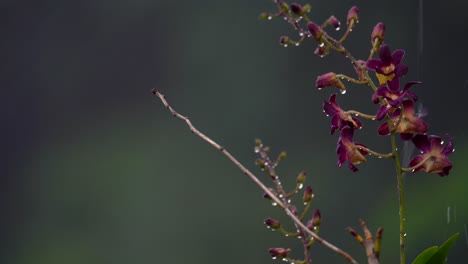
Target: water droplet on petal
373,118
280,196
322,44
413,170
273,257
442,142
300,186
299,237
285,45
453,150
404,234
274,204
337,29
269,17
301,34
297,44
343,91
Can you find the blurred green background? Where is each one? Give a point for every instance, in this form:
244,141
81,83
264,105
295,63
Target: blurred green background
95,170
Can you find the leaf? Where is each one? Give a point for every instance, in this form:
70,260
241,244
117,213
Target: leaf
441,255
425,255
436,255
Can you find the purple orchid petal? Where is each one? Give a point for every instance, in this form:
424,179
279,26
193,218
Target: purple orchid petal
357,121
385,55
406,136
352,167
449,146
383,129
394,85
401,70
415,161
347,133
409,84
397,55
412,95
329,109
372,64
422,143
381,112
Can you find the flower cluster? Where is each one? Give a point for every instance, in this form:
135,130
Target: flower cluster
395,103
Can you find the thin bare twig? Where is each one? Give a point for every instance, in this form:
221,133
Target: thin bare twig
255,179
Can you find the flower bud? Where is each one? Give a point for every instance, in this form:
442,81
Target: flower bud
329,79
279,252
355,234
264,16
258,142
353,15
316,218
294,210
272,223
260,163
284,7
378,33
315,30
360,68
308,194
334,22
321,50
285,41
297,9
301,177
282,155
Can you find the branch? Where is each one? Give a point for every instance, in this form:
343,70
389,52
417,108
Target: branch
253,178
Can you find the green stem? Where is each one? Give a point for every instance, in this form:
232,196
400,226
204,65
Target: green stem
401,205
351,79
357,113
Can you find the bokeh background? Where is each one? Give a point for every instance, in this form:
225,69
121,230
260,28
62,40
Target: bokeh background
95,170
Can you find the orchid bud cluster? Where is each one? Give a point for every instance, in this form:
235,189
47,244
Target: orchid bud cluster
266,164
396,103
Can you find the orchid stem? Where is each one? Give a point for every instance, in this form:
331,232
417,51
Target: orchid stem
357,113
401,197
